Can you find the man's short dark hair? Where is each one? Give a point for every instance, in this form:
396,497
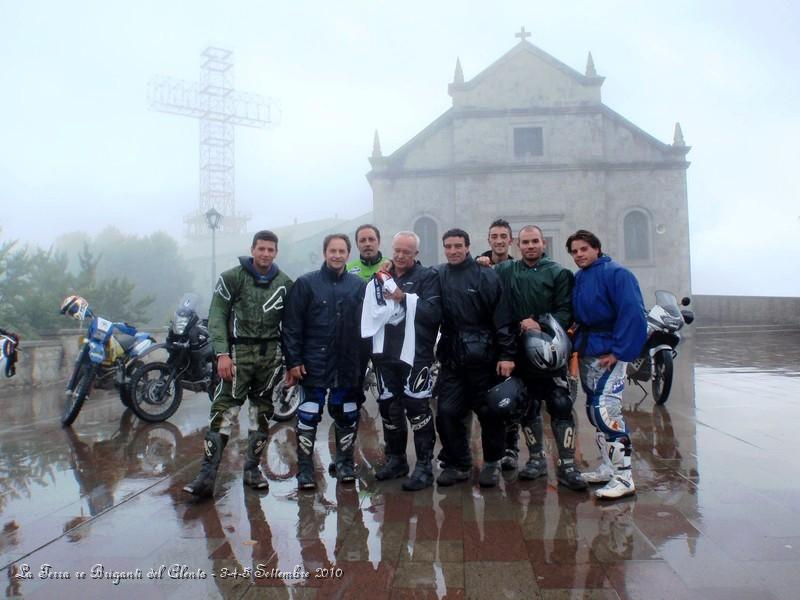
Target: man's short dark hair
368,226
265,235
456,232
502,223
585,236
335,236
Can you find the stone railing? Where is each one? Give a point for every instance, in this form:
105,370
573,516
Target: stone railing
742,311
49,360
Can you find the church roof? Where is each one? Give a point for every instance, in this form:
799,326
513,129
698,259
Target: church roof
526,46
395,160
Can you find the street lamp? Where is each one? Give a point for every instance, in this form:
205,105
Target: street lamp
213,219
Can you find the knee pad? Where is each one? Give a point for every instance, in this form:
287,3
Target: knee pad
416,406
559,404
613,427
392,414
418,384
309,413
222,421
343,407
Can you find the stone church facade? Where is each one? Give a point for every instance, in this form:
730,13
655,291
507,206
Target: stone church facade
529,140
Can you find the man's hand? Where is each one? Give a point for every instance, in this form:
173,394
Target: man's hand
294,375
484,261
505,368
529,325
607,361
398,295
386,266
225,367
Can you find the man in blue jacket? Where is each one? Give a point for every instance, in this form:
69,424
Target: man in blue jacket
321,340
612,329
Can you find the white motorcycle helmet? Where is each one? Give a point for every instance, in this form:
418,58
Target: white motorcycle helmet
76,307
548,349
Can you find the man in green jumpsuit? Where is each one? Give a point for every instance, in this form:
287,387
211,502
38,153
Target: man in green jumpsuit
244,325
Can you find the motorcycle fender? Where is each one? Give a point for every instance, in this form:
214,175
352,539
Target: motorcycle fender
656,349
97,353
143,342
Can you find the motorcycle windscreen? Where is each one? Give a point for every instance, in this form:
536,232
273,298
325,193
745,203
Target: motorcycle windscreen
668,302
185,313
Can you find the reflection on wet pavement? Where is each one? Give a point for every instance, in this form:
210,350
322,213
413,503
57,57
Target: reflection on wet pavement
716,514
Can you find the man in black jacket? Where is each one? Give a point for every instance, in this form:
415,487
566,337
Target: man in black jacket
403,355
321,347
477,345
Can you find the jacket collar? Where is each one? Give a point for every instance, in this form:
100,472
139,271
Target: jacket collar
374,261
605,258
247,265
467,263
330,273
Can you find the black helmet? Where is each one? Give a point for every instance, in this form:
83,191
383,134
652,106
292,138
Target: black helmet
506,397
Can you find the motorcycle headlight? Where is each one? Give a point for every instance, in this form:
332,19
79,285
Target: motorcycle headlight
179,324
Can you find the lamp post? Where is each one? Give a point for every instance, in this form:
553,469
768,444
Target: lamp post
213,219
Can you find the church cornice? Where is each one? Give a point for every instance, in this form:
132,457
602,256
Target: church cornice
498,168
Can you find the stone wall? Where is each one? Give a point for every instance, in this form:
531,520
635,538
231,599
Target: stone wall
713,311
49,360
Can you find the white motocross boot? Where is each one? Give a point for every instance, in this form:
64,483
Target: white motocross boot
621,484
604,472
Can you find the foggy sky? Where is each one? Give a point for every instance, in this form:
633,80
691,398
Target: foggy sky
79,148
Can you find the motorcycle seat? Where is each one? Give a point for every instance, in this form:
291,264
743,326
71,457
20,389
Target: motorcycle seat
125,340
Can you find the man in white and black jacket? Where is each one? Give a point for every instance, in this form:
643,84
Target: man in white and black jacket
403,355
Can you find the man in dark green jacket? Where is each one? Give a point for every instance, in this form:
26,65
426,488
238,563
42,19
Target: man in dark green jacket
244,325
535,285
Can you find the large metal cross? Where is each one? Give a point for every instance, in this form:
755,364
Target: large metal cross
219,108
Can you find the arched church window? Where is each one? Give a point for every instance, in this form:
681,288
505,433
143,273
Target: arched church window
428,233
636,228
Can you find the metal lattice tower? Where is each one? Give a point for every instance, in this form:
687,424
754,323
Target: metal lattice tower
219,108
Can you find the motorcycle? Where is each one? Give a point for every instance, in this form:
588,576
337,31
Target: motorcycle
285,400
664,322
156,389
8,352
109,352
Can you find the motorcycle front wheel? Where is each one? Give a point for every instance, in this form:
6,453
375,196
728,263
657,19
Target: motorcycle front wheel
155,395
662,375
80,386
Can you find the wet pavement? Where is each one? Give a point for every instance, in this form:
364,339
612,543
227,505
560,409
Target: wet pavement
717,513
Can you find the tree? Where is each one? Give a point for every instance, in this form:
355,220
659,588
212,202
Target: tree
111,297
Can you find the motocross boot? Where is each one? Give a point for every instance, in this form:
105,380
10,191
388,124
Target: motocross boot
203,484
509,461
604,472
537,463
424,441
252,476
305,459
621,484
567,474
345,442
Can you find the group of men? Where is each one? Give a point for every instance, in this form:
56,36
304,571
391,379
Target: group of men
331,322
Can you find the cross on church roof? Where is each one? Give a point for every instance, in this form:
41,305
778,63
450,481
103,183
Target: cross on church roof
522,34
